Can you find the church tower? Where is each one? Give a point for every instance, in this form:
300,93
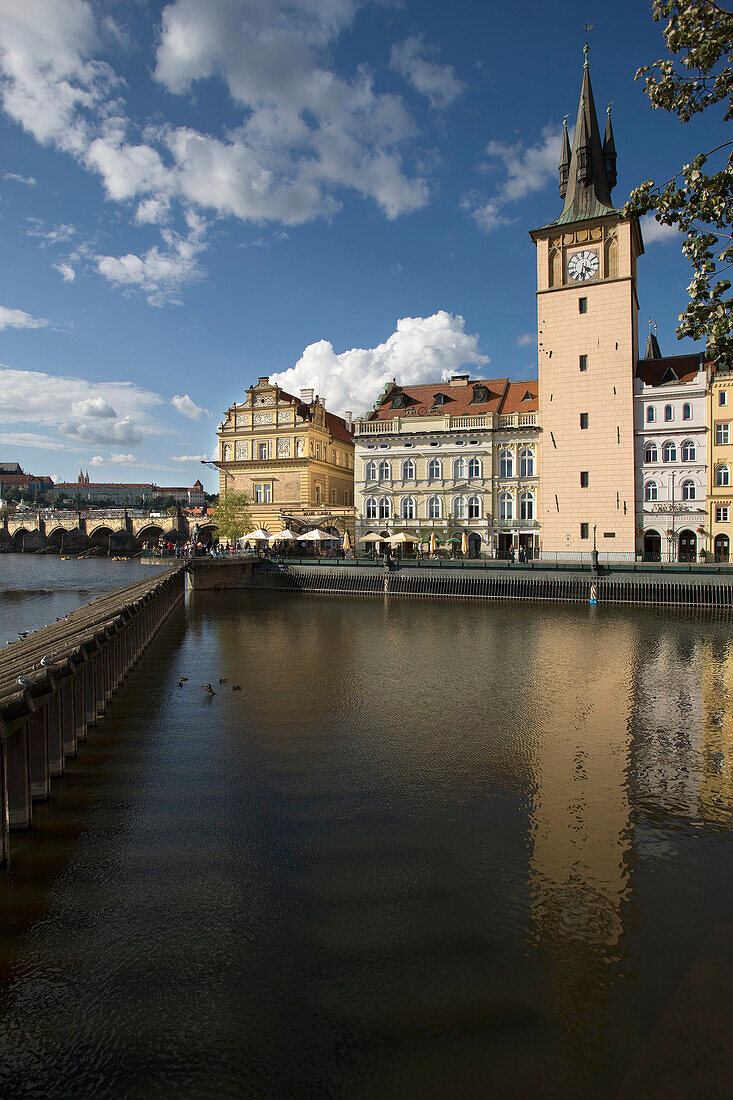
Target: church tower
587,342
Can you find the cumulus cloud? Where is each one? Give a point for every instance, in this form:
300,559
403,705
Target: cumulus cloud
29,181
185,405
654,232
50,235
160,273
421,349
527,169
74,412
305,132
97,460
412,59
17,318
66,271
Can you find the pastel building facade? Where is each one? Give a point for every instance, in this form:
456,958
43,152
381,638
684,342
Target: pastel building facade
426,463
720,466
670,397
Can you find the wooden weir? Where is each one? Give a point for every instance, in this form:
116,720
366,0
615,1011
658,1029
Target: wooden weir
56,683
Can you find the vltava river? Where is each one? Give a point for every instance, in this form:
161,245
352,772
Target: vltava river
431,849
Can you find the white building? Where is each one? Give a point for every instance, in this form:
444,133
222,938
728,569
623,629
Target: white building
671,455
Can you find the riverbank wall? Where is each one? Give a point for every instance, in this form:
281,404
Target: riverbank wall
57,683
694,586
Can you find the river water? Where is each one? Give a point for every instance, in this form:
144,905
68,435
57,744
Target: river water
434,849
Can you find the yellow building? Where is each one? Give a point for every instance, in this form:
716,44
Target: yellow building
587,340
293,459
720,465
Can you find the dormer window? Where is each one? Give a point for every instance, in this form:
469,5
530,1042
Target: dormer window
398,401
528,396
439,399
480,395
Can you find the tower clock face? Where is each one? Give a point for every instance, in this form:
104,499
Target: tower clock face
583,265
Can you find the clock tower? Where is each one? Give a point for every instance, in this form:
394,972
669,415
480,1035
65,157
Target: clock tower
587,343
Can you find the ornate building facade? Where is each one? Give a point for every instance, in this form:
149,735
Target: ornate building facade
446,458
293,459
720,465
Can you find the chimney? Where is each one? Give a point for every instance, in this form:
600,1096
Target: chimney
306,396
459,380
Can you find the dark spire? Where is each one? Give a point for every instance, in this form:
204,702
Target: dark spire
652,345
609,151
565,158
588,192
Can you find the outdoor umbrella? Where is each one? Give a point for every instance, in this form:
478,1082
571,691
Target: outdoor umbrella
372,537
346,545
315,536
400,536
464,543
286,534
433,543
255,536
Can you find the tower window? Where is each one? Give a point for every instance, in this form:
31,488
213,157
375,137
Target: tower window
722,397
584,362
583,479
584,530
582,305
584,420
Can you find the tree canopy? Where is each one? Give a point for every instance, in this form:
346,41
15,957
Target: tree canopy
698,202
232,516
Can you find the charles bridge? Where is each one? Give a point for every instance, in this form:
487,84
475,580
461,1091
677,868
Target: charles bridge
110,529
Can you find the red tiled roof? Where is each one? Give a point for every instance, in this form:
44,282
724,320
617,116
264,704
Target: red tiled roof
459,399
521,397
338,428
652,371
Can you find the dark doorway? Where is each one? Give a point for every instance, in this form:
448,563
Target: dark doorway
687,549
652,546
722,548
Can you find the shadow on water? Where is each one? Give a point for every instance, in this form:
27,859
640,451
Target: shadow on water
428,849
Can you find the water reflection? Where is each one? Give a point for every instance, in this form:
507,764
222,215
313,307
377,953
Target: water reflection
429,849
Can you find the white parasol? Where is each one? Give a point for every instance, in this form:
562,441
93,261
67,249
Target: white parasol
282,535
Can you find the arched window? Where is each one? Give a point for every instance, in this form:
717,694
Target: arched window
722,475
506,464
459,507
434,508
371,508
669,452
650,453
506,506
385,508
474,508
474,467
650,490
371,471
459,467
385,471
434,468
688,490
408,470
407,508
668,413
688,451
526,506
687,411
651,415
526,462
227,453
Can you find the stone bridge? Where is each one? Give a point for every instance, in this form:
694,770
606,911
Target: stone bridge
111,529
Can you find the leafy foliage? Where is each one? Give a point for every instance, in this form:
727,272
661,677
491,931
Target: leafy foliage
698,203
232,516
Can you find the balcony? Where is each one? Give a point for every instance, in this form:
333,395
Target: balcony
518,420
409,425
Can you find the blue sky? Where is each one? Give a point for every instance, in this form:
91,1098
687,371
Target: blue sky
197,193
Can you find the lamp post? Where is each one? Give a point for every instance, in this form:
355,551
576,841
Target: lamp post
594,555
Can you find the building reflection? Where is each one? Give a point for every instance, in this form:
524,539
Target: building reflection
716,785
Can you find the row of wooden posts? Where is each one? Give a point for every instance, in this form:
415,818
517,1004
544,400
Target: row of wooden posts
58,682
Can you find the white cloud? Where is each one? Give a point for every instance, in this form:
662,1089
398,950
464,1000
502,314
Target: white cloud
124,460
57,234
183,404
654,232
438,83
17,318
159,274
29,181
526,340
33,439
97,460
189,458
66,271
422,349
528,169
304,133
74,412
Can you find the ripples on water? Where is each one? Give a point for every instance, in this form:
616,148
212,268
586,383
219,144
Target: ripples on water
431,849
